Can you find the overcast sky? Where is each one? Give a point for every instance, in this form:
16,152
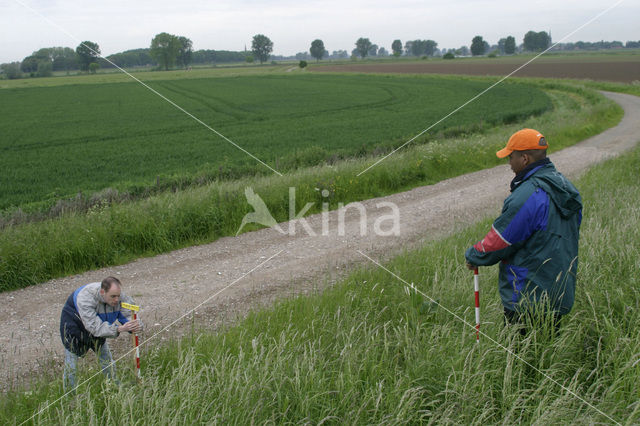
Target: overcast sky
118,25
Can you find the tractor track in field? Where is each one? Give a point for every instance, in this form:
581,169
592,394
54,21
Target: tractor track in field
168,285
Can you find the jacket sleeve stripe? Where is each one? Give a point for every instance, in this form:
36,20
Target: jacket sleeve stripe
493,241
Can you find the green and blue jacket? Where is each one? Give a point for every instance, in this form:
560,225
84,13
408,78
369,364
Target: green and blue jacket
535,239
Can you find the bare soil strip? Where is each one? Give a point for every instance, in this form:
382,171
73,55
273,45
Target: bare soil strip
616,71
168,285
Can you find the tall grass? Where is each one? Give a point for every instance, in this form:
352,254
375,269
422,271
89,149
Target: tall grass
367,351
113,234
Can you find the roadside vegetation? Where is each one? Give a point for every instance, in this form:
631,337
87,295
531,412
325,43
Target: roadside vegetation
371,351
630,89
115,232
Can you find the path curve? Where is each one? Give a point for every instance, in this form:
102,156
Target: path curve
168,285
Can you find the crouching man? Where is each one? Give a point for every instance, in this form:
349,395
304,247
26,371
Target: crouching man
88,318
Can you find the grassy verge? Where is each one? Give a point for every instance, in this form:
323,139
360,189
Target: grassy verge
630,89
114,234
369,351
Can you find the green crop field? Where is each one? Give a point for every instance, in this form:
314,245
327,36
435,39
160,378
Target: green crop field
61,140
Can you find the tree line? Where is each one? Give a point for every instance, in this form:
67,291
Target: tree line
532,42
43,62
168,51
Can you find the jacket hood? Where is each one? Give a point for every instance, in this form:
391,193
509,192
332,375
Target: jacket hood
564,195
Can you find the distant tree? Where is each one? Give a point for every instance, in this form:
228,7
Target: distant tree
534,41
29,64
11,70
39,64
383,52
339,54
486,46
408,48
208,56
430,47
61,58
44,55
94,67
477,46
302,64
261,46
418,47
448,55
510,45
463,51
373,50
362,46
64,59
164,49
185,52
302,56
132,58
501,44
422,47
249,59
396,47
87,52
530,40
317,49
632,44
45,69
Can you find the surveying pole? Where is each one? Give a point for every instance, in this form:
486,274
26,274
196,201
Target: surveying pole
476,285
135,309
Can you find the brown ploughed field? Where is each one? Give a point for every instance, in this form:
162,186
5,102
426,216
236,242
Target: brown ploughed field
616,71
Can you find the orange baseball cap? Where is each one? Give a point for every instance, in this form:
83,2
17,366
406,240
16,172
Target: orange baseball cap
523,140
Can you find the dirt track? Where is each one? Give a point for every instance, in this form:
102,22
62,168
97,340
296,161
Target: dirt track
169,285
619,71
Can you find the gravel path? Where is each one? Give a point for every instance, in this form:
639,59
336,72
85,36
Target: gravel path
170,285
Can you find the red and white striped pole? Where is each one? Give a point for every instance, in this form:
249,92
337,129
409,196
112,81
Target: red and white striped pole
476,285
134,309
135,336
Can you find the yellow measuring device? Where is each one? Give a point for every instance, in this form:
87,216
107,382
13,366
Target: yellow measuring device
130,307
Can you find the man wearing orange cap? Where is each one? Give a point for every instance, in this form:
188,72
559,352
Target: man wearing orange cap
535,239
